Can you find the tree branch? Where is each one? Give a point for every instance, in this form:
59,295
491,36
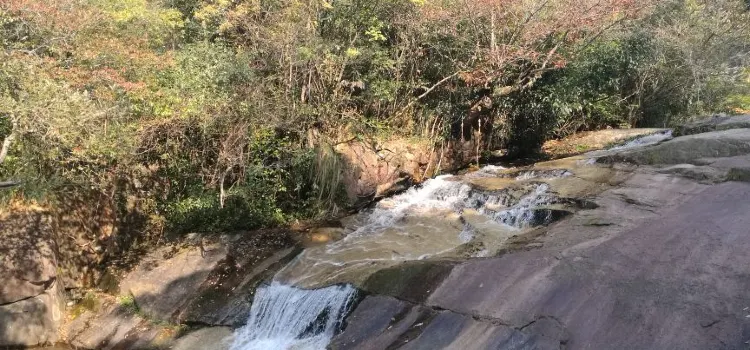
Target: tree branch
7,184
433,87
6,144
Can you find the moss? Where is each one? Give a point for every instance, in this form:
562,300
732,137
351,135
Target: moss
88,303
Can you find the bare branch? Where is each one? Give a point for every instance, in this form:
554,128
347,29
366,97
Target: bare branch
427,92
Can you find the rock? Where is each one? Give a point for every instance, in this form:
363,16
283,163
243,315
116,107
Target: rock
387,323
714,123
31,299
699,173
371,170
27,258
105,329
227,295
592,140
108,323
412,281
179,284
648,286
690,149
393,187
215,338
33,321
161,287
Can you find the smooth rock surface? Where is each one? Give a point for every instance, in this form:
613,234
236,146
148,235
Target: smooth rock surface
33,321
714,123
214,338
690,149
161,286
676,281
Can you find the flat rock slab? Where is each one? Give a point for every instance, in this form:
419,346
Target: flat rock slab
214,338
677,281
690,149
161,287
381,322
717,123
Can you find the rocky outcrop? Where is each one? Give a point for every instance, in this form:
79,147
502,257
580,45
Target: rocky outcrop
659,263
31,298
375,170
716,122
691,149
202,282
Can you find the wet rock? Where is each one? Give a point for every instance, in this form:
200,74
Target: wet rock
390,188
699,173
215,338
412,281
690,149
592,140
714,123
387,323
648,286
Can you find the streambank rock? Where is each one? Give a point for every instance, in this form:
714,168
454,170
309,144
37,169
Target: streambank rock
373,170
31,301
214,338
714,123
691,149
111,323
386,323
659,263
32,321
210,284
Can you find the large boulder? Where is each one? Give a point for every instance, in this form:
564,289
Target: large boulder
32,321
31,298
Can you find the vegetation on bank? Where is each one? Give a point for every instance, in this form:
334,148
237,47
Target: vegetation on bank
207,115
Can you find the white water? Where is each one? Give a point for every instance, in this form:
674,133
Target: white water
646,140
412,226
434,194
287,318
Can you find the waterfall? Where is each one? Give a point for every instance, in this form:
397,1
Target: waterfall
286,318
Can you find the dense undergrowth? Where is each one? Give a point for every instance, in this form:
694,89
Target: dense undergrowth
219,115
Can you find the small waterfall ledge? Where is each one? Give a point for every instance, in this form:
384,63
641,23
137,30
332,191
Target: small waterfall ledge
285,317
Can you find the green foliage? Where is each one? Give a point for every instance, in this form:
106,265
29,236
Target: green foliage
217,115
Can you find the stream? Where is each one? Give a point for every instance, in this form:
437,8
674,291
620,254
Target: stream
448,217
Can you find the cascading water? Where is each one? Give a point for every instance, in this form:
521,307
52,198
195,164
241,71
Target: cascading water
288,318
423,222
645,140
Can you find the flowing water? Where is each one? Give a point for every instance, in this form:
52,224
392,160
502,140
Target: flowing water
445,217
285,317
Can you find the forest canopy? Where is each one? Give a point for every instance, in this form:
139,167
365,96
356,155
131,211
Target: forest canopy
200,114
